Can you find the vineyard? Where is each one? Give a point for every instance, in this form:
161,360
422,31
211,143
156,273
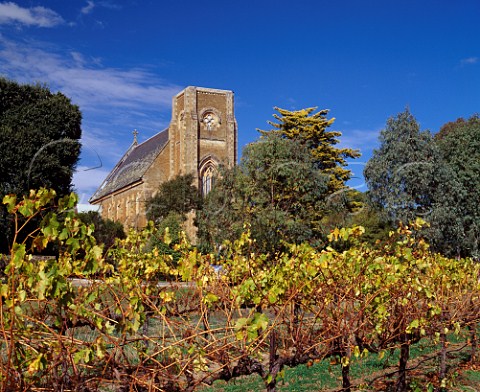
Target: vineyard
257,314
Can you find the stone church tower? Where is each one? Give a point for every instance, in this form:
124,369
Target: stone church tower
202,135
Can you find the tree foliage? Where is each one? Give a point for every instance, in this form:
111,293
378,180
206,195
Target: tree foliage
459,144
106,230
169,209
39,138
288,187
276,190
178,196
377,226
39,141
400,173
407,177
311,129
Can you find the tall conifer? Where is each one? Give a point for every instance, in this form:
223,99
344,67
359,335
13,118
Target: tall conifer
311,129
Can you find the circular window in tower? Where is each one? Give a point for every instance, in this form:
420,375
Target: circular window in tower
209,121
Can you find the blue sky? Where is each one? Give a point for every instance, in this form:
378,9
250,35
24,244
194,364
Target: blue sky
123,61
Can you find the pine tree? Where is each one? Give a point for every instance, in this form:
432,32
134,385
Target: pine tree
311,129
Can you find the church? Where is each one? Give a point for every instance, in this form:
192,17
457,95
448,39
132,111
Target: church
202,135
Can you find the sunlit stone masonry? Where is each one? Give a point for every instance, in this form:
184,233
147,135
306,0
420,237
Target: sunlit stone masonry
202,135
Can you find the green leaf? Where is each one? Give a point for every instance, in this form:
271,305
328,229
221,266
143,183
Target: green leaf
356,351
210,298
260,321
84,355
414,324
18,254
39,363
22,294
10,201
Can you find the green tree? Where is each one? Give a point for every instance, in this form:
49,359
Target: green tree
106,230
311,129
168,233
178,196
376,226
459,143
221,216
407,178
277,190
170,206
39,141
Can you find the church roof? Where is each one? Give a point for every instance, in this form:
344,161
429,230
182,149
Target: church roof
133,165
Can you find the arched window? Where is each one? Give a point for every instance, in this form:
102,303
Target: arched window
207,180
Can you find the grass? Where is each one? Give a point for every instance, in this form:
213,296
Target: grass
326,375
469,380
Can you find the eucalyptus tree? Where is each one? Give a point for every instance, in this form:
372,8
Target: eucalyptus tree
407,178
459,143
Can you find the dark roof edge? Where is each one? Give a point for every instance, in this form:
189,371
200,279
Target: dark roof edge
107,178
97,195
117,191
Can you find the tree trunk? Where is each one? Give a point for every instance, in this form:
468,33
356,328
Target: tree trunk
205,322
473,342
296,323
273,368
346,384
146,342
442,373
402,367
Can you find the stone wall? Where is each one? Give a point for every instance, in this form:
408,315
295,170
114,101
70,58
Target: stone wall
202,134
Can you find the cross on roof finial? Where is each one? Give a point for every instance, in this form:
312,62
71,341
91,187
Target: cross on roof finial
135,133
